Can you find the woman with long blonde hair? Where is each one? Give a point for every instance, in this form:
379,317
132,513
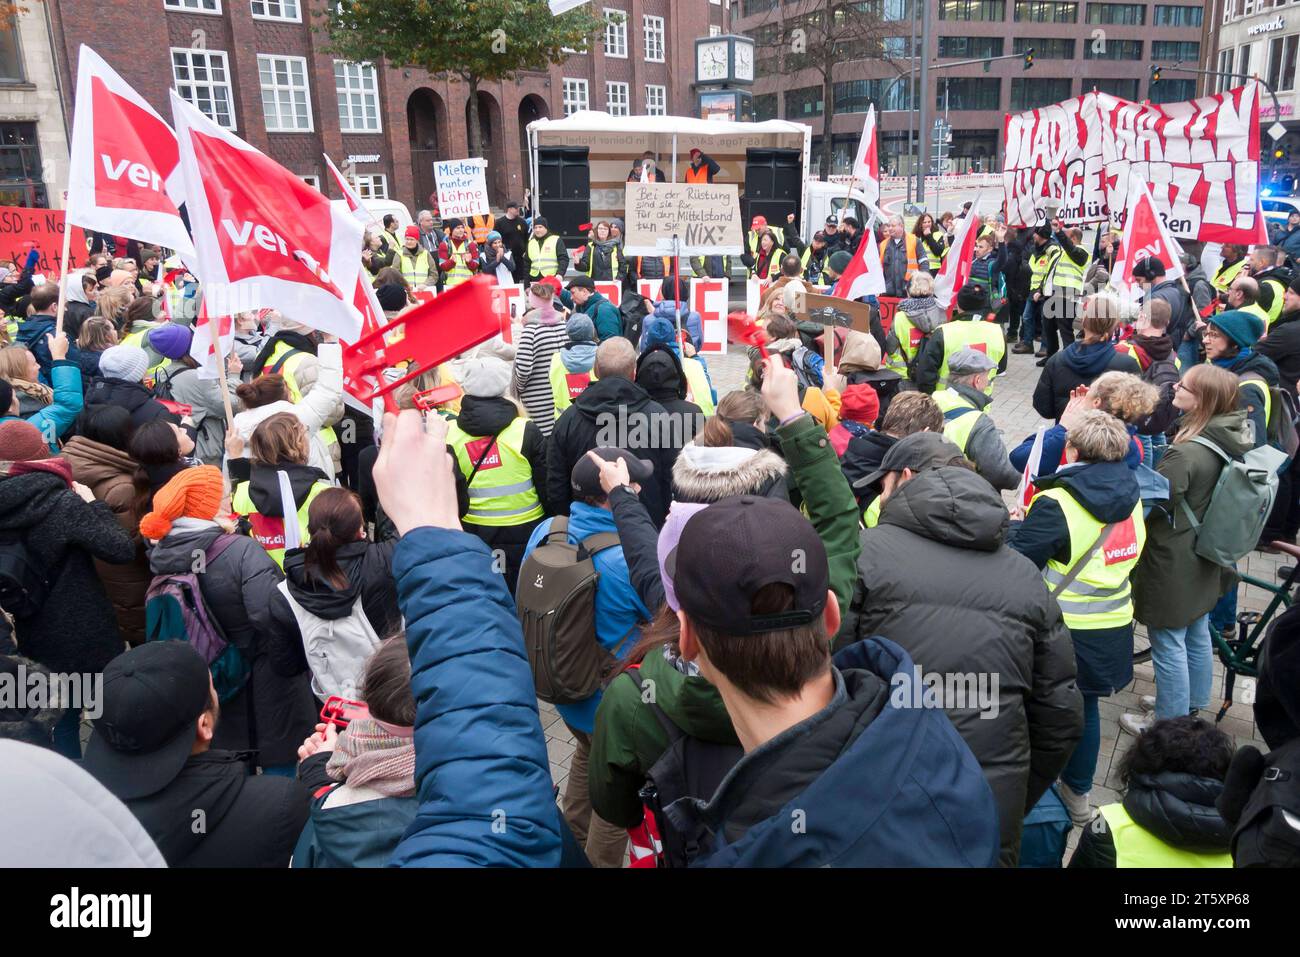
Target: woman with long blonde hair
1174,588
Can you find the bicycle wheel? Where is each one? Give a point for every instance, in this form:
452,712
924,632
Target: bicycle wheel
1141,644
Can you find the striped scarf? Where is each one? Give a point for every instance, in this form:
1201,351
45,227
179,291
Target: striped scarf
367,755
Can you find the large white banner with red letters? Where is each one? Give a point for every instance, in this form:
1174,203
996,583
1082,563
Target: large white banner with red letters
262,236
1200,159
124,167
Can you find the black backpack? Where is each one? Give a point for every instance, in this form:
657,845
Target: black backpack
633,309
1268,831
689,768
24,581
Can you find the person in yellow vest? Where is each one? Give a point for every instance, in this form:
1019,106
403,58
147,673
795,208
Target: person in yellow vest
967,425
1266,268
915,319
1230,339
1043,255
757,226
703,167
1085,530
1172,778
134,331
1234,261
546,253
481,225
291,352
909,412
458,255
898,257
602,259
1243,294
279,444
933,242
967,329
765,263
1062,306
501,463
415,263
572,367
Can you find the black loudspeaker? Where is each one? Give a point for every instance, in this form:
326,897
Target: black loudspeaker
773,184
564,189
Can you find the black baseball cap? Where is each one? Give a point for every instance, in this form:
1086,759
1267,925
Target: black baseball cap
585,477
737,546
919,451
582,282
152,696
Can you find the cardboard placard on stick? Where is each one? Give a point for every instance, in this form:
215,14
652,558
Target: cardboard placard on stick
704,217
831,311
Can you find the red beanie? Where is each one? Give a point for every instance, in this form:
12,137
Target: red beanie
413,231
859,403
20,441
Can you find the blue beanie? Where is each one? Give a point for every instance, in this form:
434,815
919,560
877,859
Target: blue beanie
1243,328
659,332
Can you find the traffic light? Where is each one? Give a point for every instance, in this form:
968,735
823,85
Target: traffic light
1155,74
1029,58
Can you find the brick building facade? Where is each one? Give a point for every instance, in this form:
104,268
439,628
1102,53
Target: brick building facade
231,56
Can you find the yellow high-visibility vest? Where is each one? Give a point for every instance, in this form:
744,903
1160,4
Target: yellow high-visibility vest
985,337
1099,596
287,369
959,416
268,530
565,385
502,491
1135,846
543,258
697,385
460,270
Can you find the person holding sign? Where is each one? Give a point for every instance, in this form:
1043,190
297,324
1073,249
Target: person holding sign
546,253
458,255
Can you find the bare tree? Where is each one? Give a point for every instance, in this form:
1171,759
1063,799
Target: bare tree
832,38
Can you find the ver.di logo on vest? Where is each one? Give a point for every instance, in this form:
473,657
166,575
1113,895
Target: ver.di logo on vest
1122,544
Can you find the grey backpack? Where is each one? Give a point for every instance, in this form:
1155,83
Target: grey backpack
1239,504
556,601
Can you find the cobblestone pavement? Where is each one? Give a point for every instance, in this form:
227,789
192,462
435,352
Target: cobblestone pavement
1014,414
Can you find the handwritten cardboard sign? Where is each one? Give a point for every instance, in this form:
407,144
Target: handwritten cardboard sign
22,229
704,218
462,187
829,311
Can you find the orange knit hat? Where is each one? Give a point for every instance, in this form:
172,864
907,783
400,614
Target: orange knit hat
194,493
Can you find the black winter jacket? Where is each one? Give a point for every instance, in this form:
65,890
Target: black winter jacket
1282,345
1077,364
249,820
75,630
612,411
862,457
937,577
1177,808
1251,398
132,396
659,372
239,588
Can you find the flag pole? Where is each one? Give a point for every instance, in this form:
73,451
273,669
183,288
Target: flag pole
63,270
214,333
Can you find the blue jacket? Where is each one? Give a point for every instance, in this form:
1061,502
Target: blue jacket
1054,448
692,324
871,781
31,333
57,417
481,771
619,609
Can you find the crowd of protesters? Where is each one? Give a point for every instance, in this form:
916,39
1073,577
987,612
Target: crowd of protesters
776,586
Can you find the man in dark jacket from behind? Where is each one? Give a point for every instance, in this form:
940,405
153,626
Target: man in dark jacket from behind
152,747
614,411
1182,315
659,372
937,577
1282,341
868,778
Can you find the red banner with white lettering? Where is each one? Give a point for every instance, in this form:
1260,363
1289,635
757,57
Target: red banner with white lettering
1144,236
23,229
1199,157
262,236
124,165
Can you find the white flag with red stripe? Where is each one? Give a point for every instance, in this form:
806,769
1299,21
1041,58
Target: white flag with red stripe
363,370
955,271
355,204
866,166
1144,235
863,276
1026,492
202,349
124,164
262,236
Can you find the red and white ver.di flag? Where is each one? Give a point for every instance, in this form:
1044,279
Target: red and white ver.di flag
866,166
124,168
955,271
863,276
1026,491
262,236
1144,235
203,349
363,368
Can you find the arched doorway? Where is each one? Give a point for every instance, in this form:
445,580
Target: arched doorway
532,107
426,121
493,140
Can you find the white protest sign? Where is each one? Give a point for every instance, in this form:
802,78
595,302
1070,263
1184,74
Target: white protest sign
709,299
462,187
613,291
705,218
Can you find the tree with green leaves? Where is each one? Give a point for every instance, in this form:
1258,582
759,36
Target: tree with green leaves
475,41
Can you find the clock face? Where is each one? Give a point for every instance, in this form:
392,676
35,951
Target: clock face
711,62
744,61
